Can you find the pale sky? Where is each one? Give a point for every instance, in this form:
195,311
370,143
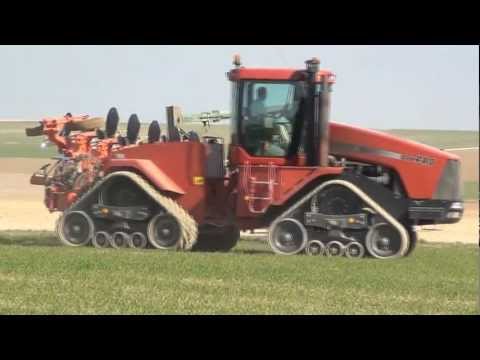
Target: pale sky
384,87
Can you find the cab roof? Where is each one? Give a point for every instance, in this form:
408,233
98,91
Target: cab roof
273,74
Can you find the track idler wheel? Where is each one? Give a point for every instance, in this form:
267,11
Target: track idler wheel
119,240
354,250
164,232
75,228
335,248
287,236
138,240
101,239
315,247
383,241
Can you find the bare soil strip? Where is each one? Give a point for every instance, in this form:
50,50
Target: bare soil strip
22,206
22,165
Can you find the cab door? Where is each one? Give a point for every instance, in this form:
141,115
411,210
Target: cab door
263,125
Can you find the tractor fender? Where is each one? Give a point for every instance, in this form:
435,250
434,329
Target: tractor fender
149,170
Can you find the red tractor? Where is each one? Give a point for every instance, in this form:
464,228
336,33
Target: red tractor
319,187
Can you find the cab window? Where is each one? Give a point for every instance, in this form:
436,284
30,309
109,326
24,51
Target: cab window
268,113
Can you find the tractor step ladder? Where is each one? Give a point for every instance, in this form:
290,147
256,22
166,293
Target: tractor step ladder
253,194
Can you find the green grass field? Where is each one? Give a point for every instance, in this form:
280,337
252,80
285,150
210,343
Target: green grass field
37,276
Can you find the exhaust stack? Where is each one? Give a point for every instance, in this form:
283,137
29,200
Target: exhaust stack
323,107
317,115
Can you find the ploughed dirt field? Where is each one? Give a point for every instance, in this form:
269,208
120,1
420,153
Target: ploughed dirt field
22,203
22,206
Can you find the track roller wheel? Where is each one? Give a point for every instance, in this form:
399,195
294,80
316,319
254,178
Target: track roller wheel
354,250
138,240
335,248
383,241
101,239
75,228
315,247
119,240
164,232
287,236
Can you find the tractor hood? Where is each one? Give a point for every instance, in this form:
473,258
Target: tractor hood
420,167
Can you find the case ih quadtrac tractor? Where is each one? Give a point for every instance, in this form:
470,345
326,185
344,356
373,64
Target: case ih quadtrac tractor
319,187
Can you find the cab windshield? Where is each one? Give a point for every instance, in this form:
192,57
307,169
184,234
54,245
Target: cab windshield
268,114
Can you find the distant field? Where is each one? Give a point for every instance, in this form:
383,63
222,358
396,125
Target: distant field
14,143
39,277
443,139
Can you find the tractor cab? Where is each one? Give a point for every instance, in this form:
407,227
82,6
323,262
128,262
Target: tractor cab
278,115
279,127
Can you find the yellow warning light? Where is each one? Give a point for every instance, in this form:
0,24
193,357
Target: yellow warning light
351,220
104,211
198,180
